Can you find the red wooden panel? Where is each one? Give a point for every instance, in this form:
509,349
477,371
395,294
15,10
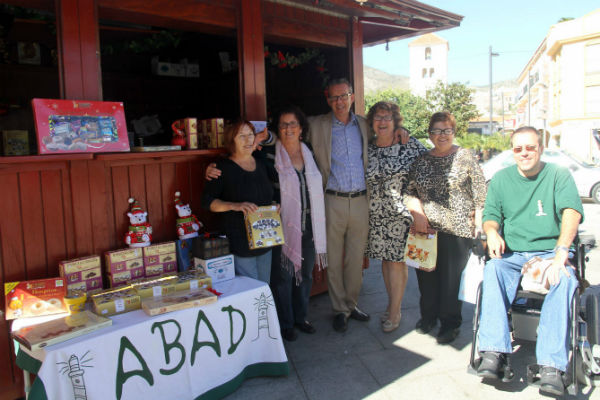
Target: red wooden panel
69,50
99,205
356,65
120,188
114,241
137,185
54,227
82,219
169,184
90,50
34,243
68,211
182,181
11,231
155,201
11,380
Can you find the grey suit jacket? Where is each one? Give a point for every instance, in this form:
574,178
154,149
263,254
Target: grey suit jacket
319,136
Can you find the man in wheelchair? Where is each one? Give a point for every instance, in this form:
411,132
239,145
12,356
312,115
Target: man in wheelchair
532,209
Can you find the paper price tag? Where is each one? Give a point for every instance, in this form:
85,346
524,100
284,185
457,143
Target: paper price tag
157,291
119,305
193,285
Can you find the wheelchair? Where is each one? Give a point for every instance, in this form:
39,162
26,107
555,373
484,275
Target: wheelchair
524,315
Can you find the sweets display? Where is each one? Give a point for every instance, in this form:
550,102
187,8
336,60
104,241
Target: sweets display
177,301
82,274
38,336
210,246
116,301
123,261
160,259
34,298
263,228
213,132
154,287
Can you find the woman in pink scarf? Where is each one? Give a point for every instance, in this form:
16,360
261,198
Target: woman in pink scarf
303,221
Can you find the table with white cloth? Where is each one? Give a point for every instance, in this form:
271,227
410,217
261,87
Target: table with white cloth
197,353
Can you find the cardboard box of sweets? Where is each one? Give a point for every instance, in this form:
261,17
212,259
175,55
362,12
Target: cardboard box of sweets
177,301
83,273
124,278
210,247
116,301
155,287
123,260
160,258
35,298
58,330
219,269
263,228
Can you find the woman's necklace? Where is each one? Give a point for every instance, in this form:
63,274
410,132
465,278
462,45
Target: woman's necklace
392,142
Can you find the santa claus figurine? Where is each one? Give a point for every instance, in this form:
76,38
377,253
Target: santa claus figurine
140,231
187,223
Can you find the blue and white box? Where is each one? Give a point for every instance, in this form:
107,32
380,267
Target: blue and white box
219,269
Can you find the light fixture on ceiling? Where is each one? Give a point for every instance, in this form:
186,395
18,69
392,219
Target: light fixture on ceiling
361,2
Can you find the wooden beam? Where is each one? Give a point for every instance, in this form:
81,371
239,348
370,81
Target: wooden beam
78,49
251,61
356,65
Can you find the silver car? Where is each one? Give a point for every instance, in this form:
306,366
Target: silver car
587,176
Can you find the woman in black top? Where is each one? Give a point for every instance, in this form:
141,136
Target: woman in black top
242,187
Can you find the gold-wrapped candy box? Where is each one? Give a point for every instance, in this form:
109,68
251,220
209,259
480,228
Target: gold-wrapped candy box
116,301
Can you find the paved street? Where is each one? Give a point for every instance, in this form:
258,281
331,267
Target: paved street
365,363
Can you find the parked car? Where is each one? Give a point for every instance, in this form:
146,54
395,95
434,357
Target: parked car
587,176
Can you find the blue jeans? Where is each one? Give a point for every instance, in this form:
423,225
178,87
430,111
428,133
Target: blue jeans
500,283
258,267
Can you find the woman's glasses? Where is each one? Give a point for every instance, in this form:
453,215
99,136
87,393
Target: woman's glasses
447,131
528,147
285,125
382,118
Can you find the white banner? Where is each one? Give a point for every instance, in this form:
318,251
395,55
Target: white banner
178,355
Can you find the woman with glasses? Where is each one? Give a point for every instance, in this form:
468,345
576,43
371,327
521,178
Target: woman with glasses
389,161
243,186
446,193
303,222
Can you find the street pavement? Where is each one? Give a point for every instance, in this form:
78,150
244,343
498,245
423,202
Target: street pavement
365,363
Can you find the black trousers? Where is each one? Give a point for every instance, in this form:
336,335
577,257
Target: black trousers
439,288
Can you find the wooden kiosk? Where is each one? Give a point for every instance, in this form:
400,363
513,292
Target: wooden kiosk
56,207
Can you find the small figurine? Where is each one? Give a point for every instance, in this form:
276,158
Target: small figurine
187,223
140,231
178,134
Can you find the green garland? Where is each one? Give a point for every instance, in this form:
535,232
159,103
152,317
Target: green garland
287,60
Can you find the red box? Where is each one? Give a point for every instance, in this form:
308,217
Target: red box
79,126
35,298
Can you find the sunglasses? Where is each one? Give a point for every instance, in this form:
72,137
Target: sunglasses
528,147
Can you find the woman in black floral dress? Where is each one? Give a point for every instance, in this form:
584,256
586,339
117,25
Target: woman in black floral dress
389,219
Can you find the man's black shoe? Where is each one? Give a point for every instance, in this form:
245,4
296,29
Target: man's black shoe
492,363
447,335
289,334
340,322
424,326
306,327
551,381
358,315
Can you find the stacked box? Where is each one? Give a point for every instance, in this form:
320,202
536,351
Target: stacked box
219,269
210,247
191,133
160,259
116,301
213,131
35,298
155,287
82,274
124,265
192,280
15,143
185,258
178,301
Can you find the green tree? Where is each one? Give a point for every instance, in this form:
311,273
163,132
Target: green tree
455,98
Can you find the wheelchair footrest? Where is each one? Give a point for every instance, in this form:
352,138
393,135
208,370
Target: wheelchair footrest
534,378
506,374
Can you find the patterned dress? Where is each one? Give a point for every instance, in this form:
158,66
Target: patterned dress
389,219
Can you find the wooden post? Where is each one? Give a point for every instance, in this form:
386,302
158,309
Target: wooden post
78,49
356,65
253,92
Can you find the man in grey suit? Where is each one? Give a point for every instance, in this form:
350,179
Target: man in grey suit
339,141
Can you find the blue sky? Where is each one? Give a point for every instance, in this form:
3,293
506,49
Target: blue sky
514,28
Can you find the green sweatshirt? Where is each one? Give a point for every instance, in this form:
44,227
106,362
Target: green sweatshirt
529,210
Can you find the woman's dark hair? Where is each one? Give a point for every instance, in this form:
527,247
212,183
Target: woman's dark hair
442,116
385,106
292,109
233,130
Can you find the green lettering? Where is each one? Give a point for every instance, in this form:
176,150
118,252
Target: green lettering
230,310
122,376
167,347
197,345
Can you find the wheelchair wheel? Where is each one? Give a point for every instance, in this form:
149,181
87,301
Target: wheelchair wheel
592,319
